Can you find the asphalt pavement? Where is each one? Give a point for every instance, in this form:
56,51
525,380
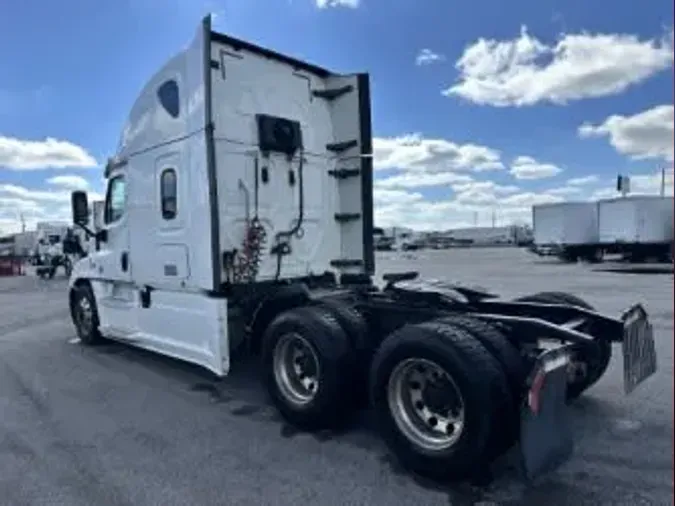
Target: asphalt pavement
117,426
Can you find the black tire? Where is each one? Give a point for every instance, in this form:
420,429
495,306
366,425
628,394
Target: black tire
595,256
351,321
498,345
568,256
477,377
81,298
332,403
512,375
356,328
597,361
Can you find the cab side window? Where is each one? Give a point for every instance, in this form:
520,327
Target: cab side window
115,200
169,97
168,186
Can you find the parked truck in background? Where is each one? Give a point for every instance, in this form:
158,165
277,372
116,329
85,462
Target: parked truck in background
640,227
239,208
57,245
568,230
382,241
636,227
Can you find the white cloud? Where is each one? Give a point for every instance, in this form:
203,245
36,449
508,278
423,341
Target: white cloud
427,57
648,134
526,167
422,180
466,201
565,191
581,181
20,154
525,71
34,195
471,200
69,181
322,4
640,184
34,205
415,153
482,192
388,197
651,183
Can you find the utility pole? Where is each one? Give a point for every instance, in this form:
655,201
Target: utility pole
663,181
494,218
23,223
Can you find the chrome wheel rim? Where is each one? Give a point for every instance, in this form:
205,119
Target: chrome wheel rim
85,316
426,404
296,369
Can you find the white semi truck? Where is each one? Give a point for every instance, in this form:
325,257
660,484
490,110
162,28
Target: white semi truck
637,227
239,207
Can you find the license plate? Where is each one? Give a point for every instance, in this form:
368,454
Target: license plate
639,351
546,439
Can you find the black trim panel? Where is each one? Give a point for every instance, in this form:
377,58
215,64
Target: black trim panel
238,45
211,157
366,142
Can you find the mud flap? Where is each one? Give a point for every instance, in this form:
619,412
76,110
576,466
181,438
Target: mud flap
545,434
639,350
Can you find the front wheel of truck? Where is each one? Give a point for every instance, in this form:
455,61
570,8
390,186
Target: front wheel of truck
84,314
434,391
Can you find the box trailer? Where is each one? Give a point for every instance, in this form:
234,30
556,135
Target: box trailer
239,208
639,226
569,229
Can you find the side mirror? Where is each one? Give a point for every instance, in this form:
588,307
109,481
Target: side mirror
80,208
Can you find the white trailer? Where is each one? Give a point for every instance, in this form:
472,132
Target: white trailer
570,229
239,206
638,226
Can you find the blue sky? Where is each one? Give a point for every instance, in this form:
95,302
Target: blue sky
478,107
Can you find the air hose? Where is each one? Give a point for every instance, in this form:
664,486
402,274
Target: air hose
282,246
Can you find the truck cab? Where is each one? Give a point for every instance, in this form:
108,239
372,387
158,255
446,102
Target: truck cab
237,168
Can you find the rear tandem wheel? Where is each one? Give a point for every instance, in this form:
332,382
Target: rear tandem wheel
512,371
355,327
306,357
435,392
589,363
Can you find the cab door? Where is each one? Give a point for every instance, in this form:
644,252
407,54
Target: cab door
116,298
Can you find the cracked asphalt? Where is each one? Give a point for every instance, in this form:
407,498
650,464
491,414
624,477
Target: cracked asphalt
118,426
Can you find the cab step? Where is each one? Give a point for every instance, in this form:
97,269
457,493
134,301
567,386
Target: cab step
344,173
345,217
339,147
346,262
333,93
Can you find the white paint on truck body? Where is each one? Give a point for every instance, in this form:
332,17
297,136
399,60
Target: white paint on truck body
636,219
181,187
565,223
247,84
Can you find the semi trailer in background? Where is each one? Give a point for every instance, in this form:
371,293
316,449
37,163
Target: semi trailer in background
638,228
567,229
